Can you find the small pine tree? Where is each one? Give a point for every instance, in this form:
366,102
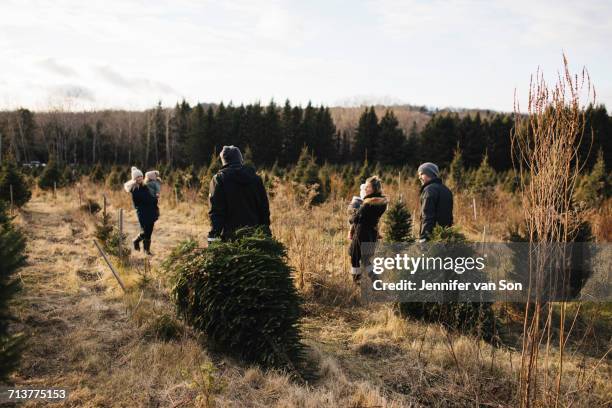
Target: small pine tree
398,223
11,176
484,180
206,176
114,180
113,242
178,182
104,229
306,177
457,171
97,174
312,181
116,244
247,160
364,173
325,177
12,256
594,188
466,317
50,176
301,165
68,177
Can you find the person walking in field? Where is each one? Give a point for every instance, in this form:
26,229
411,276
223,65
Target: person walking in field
436,201
146,209
364,227
237,197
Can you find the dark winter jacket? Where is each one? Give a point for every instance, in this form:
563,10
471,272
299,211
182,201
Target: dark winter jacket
145,204
365,222
237,199
436,207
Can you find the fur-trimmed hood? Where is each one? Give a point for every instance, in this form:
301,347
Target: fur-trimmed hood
375,200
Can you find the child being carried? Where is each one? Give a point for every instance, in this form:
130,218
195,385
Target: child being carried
153,183
354,206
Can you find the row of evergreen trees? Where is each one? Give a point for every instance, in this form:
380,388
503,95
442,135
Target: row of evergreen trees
190,135
12,256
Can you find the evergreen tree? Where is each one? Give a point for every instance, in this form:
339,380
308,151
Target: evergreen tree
325,132
364,173
196,138
104,229
11,176
457,171
271,136
301,165
498,141
68,176
325,177
50,176
251,321
247,159
437,140
158,128
392,141
291,118
366,136
114,179
12,257
595,187
398,223
472,137
485,180
97,173
306,174
308,128
180,130
214,165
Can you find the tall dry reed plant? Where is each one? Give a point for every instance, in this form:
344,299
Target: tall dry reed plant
545,144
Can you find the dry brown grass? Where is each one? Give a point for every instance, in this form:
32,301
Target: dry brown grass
86,335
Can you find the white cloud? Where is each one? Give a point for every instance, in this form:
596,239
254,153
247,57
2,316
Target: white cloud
51,65
438,52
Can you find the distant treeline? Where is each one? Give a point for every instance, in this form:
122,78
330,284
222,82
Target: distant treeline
190,135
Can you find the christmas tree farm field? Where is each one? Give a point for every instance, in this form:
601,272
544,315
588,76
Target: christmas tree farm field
114,348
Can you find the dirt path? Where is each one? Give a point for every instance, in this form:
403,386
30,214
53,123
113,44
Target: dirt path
64,308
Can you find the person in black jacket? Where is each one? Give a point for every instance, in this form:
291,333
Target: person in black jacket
237,197
146,209
365,228
436,201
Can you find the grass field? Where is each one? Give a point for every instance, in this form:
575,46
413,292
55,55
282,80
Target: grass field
84,334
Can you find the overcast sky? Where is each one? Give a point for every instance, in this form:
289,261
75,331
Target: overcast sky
439,53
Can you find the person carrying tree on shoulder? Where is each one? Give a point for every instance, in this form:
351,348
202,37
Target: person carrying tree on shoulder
237,197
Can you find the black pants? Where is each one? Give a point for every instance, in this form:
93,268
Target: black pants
146,231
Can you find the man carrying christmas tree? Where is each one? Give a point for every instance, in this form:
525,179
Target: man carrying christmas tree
237,197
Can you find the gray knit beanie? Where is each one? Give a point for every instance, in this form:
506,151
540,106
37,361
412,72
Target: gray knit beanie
230,155
430,169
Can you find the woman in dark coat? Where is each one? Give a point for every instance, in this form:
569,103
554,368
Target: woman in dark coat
146,209
364,227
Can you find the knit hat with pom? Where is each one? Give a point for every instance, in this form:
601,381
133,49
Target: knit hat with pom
136,173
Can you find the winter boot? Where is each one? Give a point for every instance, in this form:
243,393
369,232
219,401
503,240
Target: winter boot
147,247
136,243
356,274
